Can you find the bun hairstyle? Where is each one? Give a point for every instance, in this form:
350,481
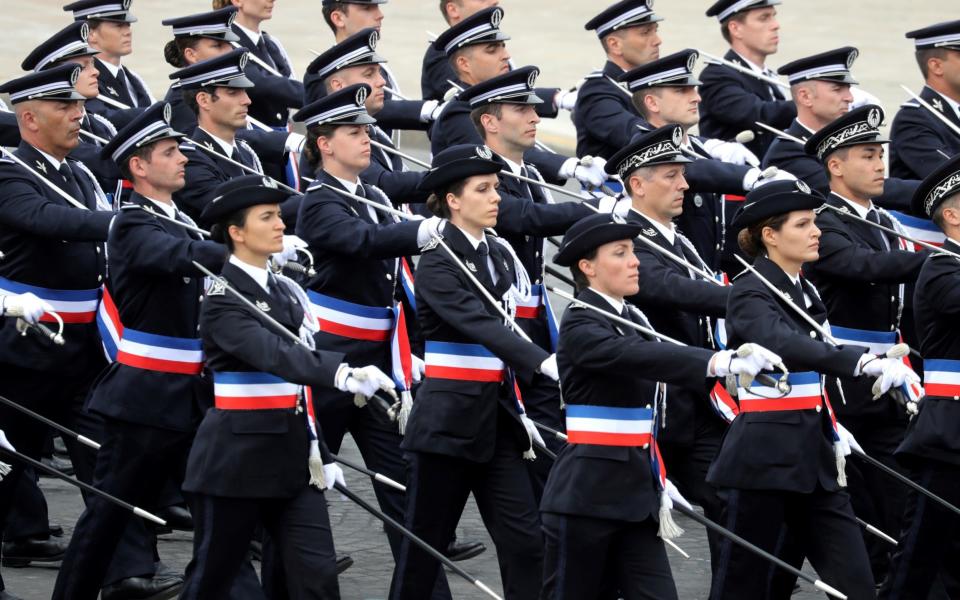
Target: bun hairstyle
218,4
437,202
750,239
173,53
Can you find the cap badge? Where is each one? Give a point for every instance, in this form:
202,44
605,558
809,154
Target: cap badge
852,56
269,182
495,17
361,96
802,186
84,31
167,113
484,153
692,61
618,219
373,39
873,118
532,79
677,136
75,75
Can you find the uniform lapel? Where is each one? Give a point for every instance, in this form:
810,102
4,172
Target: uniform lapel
863,232
940,103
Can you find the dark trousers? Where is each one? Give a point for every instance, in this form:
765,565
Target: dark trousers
930,540
687,466
61,398
877,498
437,490
28,517
586,557
822,525
134,464
541,400
299,528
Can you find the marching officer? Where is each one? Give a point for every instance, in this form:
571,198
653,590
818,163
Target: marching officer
862,273
921,139
467,431
608,499
780,467
148,325
927,545
111,33
258,455
53,249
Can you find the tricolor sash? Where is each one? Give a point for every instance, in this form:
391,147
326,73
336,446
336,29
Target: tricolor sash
806,393
530,309
109,325
252,390
918,228
878,342
723,403
401,361
406,282
941,377
73,306
608,425
347,319
464,362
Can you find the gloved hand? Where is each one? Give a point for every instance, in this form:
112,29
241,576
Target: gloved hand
890,372
431,109
565,99
755,177
26,306
419,368
847,441
5,443
549,367
749,359
731,152
294,142
862,97
588,172
532,430
332,473
289,252
364,381
429,228
674,496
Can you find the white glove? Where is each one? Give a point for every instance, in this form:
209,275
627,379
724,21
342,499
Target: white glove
847,441
589,173
419,368
614,204
5,443
755,177
565,99
364,381
26,306
890,372
749,360
431,110
731,152
532,430
549,367
289,252
862,98
294,142
429,228
332,473
674,496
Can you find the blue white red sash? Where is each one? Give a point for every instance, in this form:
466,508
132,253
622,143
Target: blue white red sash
73,306
346,319
464,362
406,282
878,342
723,403
530,309
608,425
401,361
251,390
941,377
922,229
109,325
806,393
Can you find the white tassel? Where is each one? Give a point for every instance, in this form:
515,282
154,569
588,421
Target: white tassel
406,405
668,527
841,465
359,400
315,464
4,470
529,454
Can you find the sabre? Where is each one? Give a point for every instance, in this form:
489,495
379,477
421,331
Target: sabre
42,330
50,423
371,474
742,69
914,240
781,134
904,480
70,199
870,528
953,126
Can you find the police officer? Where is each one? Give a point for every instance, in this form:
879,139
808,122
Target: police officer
111,34
608,489
920,140
927,545
861,273
467,431
258,455
436,70
53,249
780,466
821,88
733,101
149,328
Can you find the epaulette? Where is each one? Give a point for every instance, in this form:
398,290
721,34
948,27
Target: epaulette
130,206
7,160
910,104
105,122
594,74
432,244
741,274
187,148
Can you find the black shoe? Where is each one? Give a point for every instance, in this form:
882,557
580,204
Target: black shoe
59,448
60,464
344,562
20,553
143,588
458,551
5,595
54,530
177,517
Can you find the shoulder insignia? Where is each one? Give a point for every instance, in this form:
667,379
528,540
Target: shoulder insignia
470,265
910,104
594,75
217,289
130,206
41,166
187,148
263,306
937,104
112,91
431,245
649,232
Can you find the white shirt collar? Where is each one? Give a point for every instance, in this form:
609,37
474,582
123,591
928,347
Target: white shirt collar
169,210
225,145
350,186
261,276
667,232
253,35
56,163
858,208
954,104
616,304
514,167
473,241
799,122
752,65
114,69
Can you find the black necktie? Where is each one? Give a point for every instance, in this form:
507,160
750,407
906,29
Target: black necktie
484,253
235,155
122,79
878,235
803,297
72,187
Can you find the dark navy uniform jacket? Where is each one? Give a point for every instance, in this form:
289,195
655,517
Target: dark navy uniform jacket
606,363
453,417
789,156
787,450
205,172
604,116
156,290
683,307
88,152
436,74
271,97
734,101
356,260
455,127
255,453
916,135
51,244
859,281
387,172
935,432
134,95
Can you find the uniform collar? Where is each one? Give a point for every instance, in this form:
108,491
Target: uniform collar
169,210
226,146
114,69
350,186
753,67
514,167
858,208
616,304
56,163
253,35
261,276
669,233
472,240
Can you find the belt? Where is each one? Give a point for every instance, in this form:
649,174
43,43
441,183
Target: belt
806,393
608,425
252,390
355,321
941,377
877,341
73,306
464,362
